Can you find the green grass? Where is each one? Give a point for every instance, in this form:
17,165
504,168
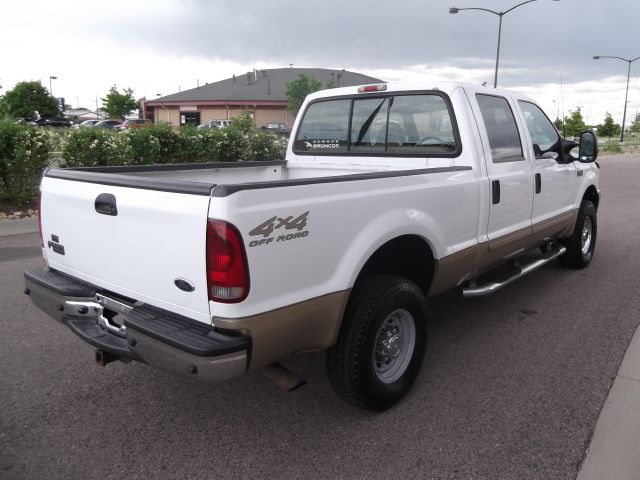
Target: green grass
610,148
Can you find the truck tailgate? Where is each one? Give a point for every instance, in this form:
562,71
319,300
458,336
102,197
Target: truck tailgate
137,248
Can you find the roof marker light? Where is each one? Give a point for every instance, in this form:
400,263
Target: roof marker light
372,88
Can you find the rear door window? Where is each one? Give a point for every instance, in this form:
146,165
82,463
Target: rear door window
504,138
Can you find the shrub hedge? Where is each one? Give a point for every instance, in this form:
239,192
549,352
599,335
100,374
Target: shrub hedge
24,154
25,149
160,144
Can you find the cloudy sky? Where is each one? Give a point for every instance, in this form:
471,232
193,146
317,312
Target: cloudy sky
162,46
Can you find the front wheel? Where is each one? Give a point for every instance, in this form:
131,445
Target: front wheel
381,343
582,243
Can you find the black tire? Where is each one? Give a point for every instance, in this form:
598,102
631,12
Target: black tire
357,364
582,242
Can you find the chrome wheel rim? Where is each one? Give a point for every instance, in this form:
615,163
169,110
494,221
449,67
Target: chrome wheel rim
394,345
587,234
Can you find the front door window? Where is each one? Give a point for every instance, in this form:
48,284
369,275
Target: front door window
544,135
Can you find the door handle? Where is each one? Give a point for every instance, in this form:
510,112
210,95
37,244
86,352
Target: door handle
495,192
538,183
105,204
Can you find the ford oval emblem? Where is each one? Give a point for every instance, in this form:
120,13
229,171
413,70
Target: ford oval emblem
184,285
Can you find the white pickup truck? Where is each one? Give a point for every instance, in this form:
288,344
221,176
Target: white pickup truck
389,194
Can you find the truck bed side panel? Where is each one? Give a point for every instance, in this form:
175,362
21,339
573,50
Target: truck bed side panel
307,241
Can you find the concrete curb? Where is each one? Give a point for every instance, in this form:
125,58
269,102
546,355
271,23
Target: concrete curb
613,452
18,226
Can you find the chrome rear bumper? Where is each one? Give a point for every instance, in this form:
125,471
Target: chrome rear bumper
143,333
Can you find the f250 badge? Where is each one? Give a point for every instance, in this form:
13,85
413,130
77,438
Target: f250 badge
265,229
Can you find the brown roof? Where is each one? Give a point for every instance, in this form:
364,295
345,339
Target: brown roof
262,86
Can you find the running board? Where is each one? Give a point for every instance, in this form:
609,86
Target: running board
486,289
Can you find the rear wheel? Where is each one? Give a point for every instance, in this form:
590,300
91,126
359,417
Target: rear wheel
582,243
381,344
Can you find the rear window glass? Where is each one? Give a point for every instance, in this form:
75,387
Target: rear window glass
369,124
325,127
394,125
420,124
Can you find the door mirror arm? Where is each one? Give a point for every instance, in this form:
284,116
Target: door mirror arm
537,151
565,151
552,152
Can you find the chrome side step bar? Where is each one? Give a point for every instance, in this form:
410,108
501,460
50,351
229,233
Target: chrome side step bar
474,290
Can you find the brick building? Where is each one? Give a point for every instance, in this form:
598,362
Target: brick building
262,92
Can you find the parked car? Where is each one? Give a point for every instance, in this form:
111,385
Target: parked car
108,124
24,121
389,194
215,124
134,123
279,128
85,124
61,122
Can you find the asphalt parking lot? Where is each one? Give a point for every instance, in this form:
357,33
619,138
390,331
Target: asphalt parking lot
511,386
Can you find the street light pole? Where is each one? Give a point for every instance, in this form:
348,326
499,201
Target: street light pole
454,10
159,95
558,117
51,77
626,95
495,75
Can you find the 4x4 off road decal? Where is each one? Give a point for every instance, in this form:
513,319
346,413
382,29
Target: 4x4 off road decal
265,229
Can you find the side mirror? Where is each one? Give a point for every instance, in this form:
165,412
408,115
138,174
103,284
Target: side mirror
588,149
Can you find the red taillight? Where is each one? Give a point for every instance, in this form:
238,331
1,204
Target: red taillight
227,269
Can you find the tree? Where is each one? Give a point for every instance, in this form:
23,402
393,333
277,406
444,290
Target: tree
298,90
28,100
635,125
609,128
244,122
119,105
574,124
558,123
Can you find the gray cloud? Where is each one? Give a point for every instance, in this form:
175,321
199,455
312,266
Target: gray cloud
165,45
541,41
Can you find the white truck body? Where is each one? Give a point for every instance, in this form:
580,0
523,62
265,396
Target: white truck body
311,225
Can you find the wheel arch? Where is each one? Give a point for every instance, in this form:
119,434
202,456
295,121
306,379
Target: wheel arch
591,193
408,256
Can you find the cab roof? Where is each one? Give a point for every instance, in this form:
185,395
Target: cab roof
447,87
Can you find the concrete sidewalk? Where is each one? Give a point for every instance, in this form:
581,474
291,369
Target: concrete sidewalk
18,227
614,452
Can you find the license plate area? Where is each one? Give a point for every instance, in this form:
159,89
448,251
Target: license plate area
110,312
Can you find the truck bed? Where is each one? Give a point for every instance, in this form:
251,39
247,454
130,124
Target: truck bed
228,177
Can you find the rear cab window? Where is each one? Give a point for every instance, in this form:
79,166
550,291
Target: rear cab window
394,124
324,128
